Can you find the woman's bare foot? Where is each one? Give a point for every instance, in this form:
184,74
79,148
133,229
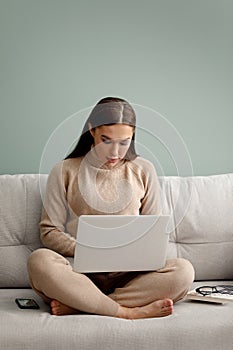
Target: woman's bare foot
158,308
59,309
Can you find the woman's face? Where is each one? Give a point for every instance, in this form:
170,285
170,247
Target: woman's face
112,142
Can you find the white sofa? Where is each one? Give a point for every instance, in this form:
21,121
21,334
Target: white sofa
204,236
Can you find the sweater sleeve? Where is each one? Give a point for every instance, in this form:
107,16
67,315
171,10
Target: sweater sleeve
54,215
151,202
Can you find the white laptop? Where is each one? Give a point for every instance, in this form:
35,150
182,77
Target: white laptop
108,243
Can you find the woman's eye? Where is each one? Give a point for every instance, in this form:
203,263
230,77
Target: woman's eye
107,142
123,143
126,143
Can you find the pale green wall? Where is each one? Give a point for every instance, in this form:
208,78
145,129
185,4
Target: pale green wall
172,56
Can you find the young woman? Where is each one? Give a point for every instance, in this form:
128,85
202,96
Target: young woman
102,175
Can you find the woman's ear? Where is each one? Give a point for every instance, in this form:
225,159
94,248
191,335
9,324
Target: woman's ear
90,129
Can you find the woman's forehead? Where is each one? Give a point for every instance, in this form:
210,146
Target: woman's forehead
116,131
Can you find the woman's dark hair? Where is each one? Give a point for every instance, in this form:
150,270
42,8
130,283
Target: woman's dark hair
108,111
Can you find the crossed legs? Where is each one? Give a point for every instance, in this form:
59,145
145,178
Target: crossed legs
148,295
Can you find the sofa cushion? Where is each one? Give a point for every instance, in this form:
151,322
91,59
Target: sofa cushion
193,325
20,210
202,222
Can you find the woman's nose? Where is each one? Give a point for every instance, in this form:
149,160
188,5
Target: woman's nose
114,150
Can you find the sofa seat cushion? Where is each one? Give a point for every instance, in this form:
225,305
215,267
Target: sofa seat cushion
193,325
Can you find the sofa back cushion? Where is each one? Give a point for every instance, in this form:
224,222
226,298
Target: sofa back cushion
202,214
201,227
20,210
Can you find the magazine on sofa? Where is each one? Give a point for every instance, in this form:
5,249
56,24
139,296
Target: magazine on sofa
214,297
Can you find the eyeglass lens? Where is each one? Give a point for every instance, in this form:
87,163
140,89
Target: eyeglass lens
224,289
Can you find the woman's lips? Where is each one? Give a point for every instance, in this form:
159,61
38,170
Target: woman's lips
112,160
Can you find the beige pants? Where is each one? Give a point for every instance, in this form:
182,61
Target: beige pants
52,277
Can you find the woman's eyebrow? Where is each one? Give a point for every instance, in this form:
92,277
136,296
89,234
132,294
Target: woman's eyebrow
106,137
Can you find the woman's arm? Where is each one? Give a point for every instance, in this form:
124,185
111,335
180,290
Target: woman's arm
54,215
151,202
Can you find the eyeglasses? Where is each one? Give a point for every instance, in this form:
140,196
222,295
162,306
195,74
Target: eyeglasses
222,289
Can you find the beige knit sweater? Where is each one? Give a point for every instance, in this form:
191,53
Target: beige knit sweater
84,186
